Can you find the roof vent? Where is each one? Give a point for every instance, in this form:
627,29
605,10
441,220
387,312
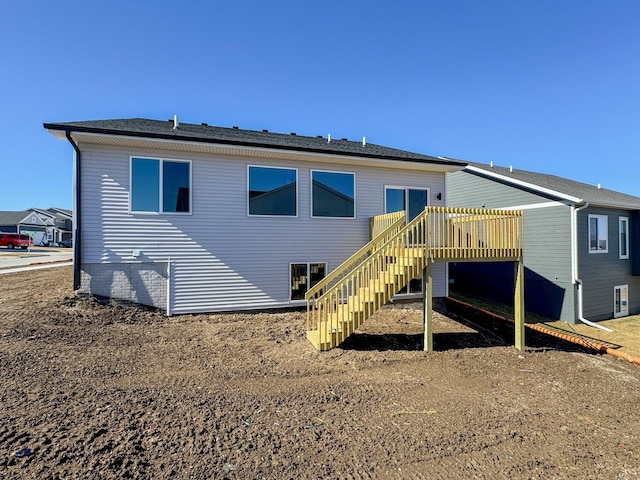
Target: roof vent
235,127
318,136
364,141
175,122
329,138
293,133
491,163
204,124
345,139
265,130
599,186
511,168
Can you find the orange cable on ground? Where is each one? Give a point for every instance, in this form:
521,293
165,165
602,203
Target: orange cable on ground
569,338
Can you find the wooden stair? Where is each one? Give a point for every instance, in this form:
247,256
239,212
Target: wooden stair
339,304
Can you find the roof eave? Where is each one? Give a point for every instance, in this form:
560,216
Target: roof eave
527,185
62,128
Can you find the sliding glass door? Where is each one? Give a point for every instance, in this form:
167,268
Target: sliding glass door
413,200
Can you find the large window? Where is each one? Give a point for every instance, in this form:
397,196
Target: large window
160,186
624,237
304,276
333,194
272,191
598,234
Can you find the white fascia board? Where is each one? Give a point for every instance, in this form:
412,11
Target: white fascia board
520,183
242,151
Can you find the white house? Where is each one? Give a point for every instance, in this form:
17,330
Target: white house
195,218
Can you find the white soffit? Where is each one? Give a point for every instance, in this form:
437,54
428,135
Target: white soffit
245,151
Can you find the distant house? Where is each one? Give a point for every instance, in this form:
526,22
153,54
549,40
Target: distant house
194,218
9,220
582,243
45,227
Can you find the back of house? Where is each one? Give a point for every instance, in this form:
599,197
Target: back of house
193,218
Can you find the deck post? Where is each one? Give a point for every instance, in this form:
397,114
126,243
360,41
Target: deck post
518,303
427,295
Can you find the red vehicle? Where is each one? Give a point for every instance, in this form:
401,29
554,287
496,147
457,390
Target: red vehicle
14,240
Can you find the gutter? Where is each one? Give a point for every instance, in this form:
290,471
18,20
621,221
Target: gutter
574,261
77,210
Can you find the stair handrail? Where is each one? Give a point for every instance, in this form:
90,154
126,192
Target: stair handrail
431,229
419,218
357,258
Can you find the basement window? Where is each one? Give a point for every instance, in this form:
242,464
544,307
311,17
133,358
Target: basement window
304,276
598,234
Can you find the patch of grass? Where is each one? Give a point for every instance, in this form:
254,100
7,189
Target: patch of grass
626,330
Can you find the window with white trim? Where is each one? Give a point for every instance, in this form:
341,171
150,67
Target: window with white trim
333,194
160,186
304,276
272,191
623,232
620,301
598,234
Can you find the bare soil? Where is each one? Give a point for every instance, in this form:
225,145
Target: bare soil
102,390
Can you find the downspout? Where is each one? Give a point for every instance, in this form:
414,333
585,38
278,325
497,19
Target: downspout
77,210
574,261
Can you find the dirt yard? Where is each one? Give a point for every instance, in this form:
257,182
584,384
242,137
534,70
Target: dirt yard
108,391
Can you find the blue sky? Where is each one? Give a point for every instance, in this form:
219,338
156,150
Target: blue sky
548,86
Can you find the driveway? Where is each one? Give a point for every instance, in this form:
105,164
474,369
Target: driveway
34,258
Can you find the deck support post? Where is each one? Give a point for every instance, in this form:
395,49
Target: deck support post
518,303
427,314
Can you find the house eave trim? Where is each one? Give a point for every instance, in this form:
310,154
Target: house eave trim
520,183
53,127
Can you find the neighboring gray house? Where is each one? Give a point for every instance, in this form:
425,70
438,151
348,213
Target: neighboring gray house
582,243
194,218
45,227
10,219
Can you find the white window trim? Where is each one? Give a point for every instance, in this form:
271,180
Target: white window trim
297,193
161,186
622,220
406,189
311,194
598,216
622,313
308,264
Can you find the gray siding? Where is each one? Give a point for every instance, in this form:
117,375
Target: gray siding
222,259
549,288
469,190
600,272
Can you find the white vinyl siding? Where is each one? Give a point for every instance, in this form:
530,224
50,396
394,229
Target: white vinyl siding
221,258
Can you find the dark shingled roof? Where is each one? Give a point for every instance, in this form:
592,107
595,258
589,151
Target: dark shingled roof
12,217
141,127
588,193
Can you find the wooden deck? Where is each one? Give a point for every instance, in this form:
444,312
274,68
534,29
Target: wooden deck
397,253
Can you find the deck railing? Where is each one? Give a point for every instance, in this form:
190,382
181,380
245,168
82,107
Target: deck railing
337,306
385,227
